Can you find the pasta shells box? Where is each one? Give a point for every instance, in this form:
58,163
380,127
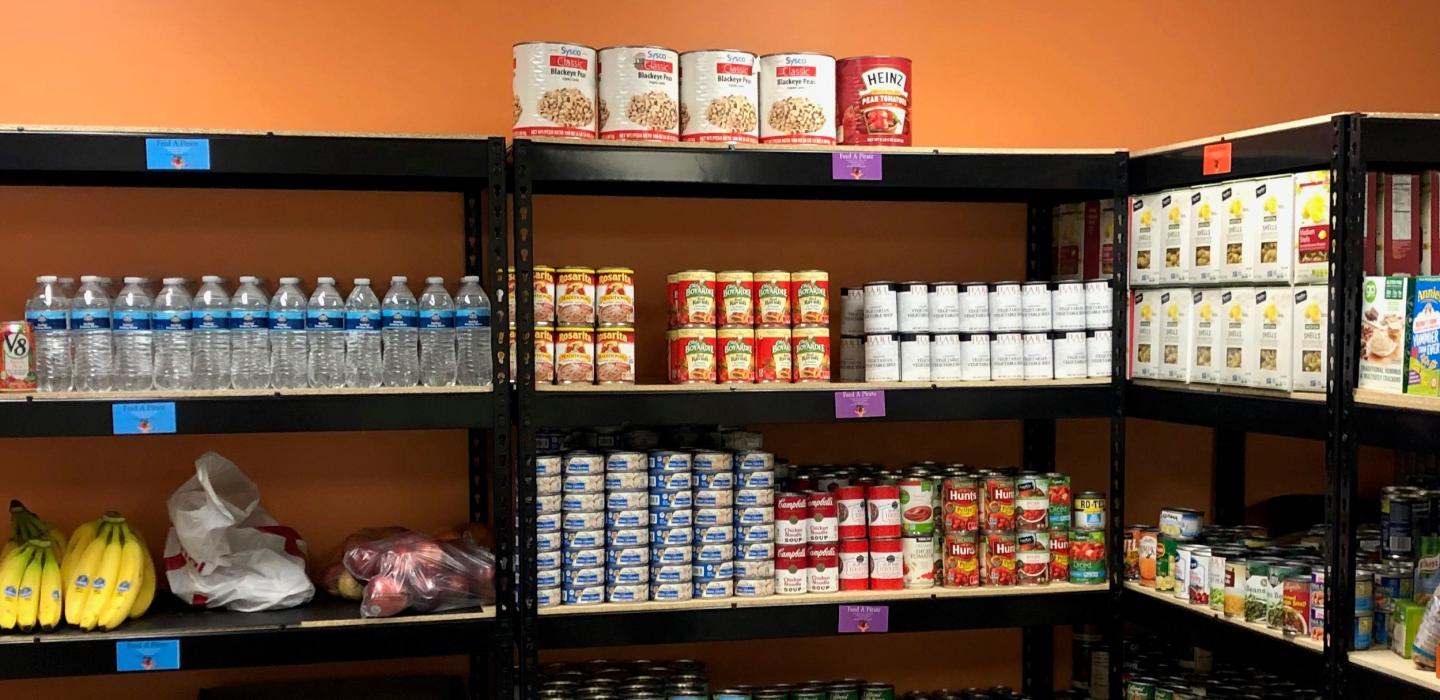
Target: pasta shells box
1238,361
1176,259
1384,337
1272,339
1312,226
1145,239
1312,321
1175,334
1270,223
1206,323
1423,374
1145,333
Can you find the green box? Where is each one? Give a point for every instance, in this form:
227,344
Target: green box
1385,333
1404,625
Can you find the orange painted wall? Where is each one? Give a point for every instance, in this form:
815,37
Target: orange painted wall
1102,74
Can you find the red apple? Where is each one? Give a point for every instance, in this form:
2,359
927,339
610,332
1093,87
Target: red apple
384,596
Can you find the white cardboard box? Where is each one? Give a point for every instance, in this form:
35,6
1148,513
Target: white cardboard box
1270,202
1311,320
1145,228
1175,333
1145,333
1207,324
1238,359
1207,226
1175,247
1312,226
1241,242
1274,342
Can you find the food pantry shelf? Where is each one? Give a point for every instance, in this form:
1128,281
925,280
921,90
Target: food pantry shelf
1251,410
1165,614
1383,673
573,405
323,631
1401,421
816,614
74,414
1305,144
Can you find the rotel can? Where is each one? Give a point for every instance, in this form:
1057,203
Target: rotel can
810,297
997,502
874,95
962,560
997,559
692,356
850,511
810,349
883,505
919,561
1057,488
737,298
824,567
1032,558
961,503
792,526
823,523
774,356
1060,555
18,370
917,507
735,351
854,565
772,297
693,298
887,569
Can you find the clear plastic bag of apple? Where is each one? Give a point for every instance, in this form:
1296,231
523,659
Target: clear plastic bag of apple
414,571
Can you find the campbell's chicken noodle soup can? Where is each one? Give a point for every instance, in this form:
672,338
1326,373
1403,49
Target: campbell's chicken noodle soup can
882,502
962,560
694,298
17,373
797,98
553,90
874,94
639,93
917,507
997,559
1032,558
792,568
737,297
961,503
1057,489
918,561
824,519
887,564
1032,504
1059,555
692,356
810,349
850,512
997,502
774,356
810,297
575,296
544,355
772,297
574,355
824,566
792,512
615,355
615,296
735,349
854,564
719,96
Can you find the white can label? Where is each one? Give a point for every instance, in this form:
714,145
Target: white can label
1035,307
1071,359
944,308
825,529
975,309
886,565
797,99
1005,308
1068,306
852,311
794,582
792,532
554,90
946,358
854,565
882,358
1038,355
880,309
1098,304
719,97
915,358
1097,354
1007,357
639,94
852,359
976,359
823,580
912,304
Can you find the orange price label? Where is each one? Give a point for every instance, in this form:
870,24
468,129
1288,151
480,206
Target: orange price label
1217,159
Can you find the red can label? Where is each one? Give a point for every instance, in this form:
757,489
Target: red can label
962,560
692,356
792,525
854,565
850,511
874,96
774,359
998,503
772,297
1032,505
1059,555
824,521
961,505
887,566
737,298
810,348
997,560
575,296
826,553
810,297
1032,558
883,504
791,557
736,350
694,298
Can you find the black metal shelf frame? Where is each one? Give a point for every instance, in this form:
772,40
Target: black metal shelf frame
473,168
1038,179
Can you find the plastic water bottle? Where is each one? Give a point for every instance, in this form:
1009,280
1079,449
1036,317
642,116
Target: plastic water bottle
249,336
472,334
174,343
212,335
325,331
398,334
437,334
364,366
134,340
90,327
287,336
48,312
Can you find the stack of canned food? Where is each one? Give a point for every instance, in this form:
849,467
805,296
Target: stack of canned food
584,325
1397,576
975,331
1157,671
741,327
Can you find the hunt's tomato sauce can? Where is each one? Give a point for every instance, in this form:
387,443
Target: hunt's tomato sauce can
693,298
883,503
692,356
737,297
735,350
997,503
850,511
961,503
772,297
810,349
962,560
1060,555
854,565
810,296
887,566
774,356
997,559
874,95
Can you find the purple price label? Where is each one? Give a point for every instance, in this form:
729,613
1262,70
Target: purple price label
859,404
860,619
855,166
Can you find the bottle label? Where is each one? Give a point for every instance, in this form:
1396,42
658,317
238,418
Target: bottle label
438,319
402,318
362,320
474,318
90,320
325,319
287,320
172,320
249,319
212,319
46,320
131,320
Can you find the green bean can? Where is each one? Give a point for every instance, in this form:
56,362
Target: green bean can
877,691
1163,693
810,692
844,691
1257,590
1140,689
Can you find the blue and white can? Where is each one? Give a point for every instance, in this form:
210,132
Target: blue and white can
548,485
547,505
670,573
584,483
547,560
715,480
714,553
670,481
755,515
548,597
626,519
626,481
549,522
712,461
584,558
755,551
715,534
762,479
670,591
584,539
755,497
678,554
754,460
584,463
594,520
547,578
581,578
626,575
637,537
625,462
634,593
714,516
763,532
755,587
582,502
548,541
754,568
713,498
547,465
588,595
667,536
669,461
715,588
709,571
627,556
671,517
627,500
670,499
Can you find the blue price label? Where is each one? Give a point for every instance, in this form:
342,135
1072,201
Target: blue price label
148,655
143,418
177,154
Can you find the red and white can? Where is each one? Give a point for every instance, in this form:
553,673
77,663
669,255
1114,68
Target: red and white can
719,97
1032,558
850,512
615,355
854,565
997,502
791,521
544,285
553,90
797,98
575,296
824,567
615,296
960,502
737,297
997,559
774,359
962,560
575,355
692,356
919,561
792,569
810,347
874,94
772,297
883,504
692,298
887,566
1059,555
735,349
824,522
810,297
639,93
544,355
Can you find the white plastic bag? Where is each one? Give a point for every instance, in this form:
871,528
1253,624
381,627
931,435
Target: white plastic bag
225,551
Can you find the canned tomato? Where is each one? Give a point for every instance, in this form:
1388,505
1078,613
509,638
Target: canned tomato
1059,555
874,94
917,507
1057,491
997,502
544,355
553,90
17,373
997,559
575,296
797,98
639,93
774,359
854,565
850,512
615,296
823,523
712,465
575,355
1032,558
887,568
824,558
883,505
1032,504
772,297
1087,557
544,284
810,297
737,298
692,355
755,587
1090,511
961,504
692,298
962,560
615,355
811,353
719,97
735,350
792,518
918,561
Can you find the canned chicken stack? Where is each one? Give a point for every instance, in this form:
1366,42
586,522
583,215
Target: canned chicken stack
949,331
584,325
741,327
672,519
549,533
584,575
754,518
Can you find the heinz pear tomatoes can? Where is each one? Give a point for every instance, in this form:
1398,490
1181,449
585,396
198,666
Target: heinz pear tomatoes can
875,99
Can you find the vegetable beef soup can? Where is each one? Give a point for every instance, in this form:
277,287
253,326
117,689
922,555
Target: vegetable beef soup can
553,90
875,97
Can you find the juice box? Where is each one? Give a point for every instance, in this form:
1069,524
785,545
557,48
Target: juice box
1237,305
1272,333
1312,226
1145,333
1145,228
1175,335
1207,330
1175,247
1384,340
1268,214
1240,241
1311,319
1207,231
1422,376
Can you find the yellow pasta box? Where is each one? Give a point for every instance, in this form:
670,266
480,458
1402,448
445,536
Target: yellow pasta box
1312,226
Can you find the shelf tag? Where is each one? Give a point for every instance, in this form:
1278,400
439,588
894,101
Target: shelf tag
1217,159
177,154
855,166
862,619
859,404
148,655
142,418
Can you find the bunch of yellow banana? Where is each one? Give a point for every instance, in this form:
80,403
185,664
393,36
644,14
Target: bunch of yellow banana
30,587
25,525
108,574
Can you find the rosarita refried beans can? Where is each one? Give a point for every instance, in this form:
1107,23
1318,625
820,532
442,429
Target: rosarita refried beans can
876,98
553,90
719,96
797,98
639,93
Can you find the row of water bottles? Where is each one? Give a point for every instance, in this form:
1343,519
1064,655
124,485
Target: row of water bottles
168,339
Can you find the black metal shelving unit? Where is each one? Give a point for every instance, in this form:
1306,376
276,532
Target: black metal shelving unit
1039,179
326,630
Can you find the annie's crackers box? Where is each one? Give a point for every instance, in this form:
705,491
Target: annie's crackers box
1423,375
